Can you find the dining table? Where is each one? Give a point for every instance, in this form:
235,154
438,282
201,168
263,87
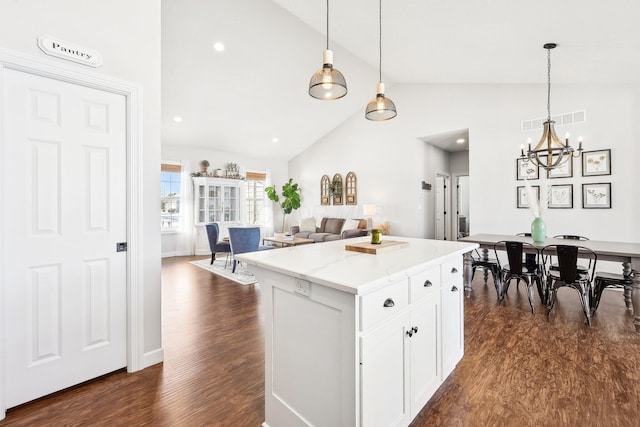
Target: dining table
627,253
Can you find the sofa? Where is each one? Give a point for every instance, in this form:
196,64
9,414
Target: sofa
330,229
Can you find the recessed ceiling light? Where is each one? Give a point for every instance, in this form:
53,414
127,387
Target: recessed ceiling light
274,140
177,119
218,46
460,140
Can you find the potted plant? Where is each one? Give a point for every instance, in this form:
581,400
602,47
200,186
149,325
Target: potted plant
290,197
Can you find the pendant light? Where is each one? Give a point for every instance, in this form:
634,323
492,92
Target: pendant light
550,152
327,83
380,108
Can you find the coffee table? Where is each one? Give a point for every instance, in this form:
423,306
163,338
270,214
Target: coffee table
294,242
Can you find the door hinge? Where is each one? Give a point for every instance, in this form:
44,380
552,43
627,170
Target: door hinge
121,247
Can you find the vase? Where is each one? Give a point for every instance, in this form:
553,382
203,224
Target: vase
538,230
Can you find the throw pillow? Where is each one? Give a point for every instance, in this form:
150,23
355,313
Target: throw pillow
308,225
350,224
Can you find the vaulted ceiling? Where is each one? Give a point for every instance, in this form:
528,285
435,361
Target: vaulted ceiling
240,99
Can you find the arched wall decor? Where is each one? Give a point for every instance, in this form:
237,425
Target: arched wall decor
337,189
351,189
325,192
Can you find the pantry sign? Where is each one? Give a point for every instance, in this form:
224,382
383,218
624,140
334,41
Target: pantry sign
69,51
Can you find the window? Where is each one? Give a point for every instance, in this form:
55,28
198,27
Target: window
170,196
254,201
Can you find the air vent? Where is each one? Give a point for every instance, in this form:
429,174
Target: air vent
560,119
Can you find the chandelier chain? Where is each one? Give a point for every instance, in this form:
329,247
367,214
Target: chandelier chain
548,84
380,45
327,24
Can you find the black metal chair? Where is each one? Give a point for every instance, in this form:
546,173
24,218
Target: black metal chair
215,245
568,275
604,280
488,265
581,268
530,259
519,269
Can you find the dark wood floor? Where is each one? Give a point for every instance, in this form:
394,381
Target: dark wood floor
519,369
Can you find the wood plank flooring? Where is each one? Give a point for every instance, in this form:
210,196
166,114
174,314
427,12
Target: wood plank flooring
519,369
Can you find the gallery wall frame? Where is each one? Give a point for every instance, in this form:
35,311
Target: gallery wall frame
561,196
564,170
596,196
525,169
522,199
596,163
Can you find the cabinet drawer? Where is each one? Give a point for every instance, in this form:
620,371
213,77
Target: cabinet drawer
383,303
452,271
424,283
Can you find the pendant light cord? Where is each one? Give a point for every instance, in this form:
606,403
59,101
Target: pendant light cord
549,84
380,39
327,24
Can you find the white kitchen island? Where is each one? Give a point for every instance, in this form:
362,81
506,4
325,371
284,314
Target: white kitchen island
355,339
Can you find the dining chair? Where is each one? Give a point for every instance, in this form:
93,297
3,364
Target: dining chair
581,268
243,240
488,265
215,244
530,259
519,269
569,275
604,280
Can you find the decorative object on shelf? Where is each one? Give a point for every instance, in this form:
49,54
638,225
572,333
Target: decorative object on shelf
596,196
203,167
522,197
351,190
290,198
232,170
596,163
327,83
561,196
380,108
526,169
218,173
550,146
336,188
325,191
537,206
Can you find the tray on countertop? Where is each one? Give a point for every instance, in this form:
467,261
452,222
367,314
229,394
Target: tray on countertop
370,248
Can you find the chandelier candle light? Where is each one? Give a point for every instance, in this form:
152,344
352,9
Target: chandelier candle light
550,152
327,83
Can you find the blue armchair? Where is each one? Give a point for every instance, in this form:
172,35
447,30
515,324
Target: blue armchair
213,233
245,239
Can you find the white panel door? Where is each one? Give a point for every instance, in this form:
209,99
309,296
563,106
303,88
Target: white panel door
440,208
64,200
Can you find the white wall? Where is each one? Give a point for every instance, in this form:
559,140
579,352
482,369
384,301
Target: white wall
390,162
127,34
217,159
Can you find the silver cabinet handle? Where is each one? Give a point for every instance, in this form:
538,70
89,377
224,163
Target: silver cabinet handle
454,270
454,289
389,303
427,283
412,331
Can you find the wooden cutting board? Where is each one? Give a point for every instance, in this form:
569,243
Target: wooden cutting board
369,248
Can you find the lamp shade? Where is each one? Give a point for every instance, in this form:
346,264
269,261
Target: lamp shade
380,108
327,83
368,209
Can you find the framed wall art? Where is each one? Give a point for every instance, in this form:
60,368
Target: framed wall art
596,196
525,169
565,170
561,196
596,163
522,199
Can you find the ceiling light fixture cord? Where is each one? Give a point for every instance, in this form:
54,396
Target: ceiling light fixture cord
380,44
327,24
548,84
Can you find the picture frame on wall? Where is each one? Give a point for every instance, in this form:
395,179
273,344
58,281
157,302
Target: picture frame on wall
596,196
565,170
522,198
595,163
561,196
525,169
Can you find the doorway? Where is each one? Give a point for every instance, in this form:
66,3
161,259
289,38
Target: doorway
442,207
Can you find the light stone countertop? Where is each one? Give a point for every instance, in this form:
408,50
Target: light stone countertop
330,264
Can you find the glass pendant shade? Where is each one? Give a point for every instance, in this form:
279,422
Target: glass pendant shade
380,108
327,83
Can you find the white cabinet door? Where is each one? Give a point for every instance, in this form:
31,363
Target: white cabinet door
384,371
452,317
424,351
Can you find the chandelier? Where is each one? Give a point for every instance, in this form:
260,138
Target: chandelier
550,152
